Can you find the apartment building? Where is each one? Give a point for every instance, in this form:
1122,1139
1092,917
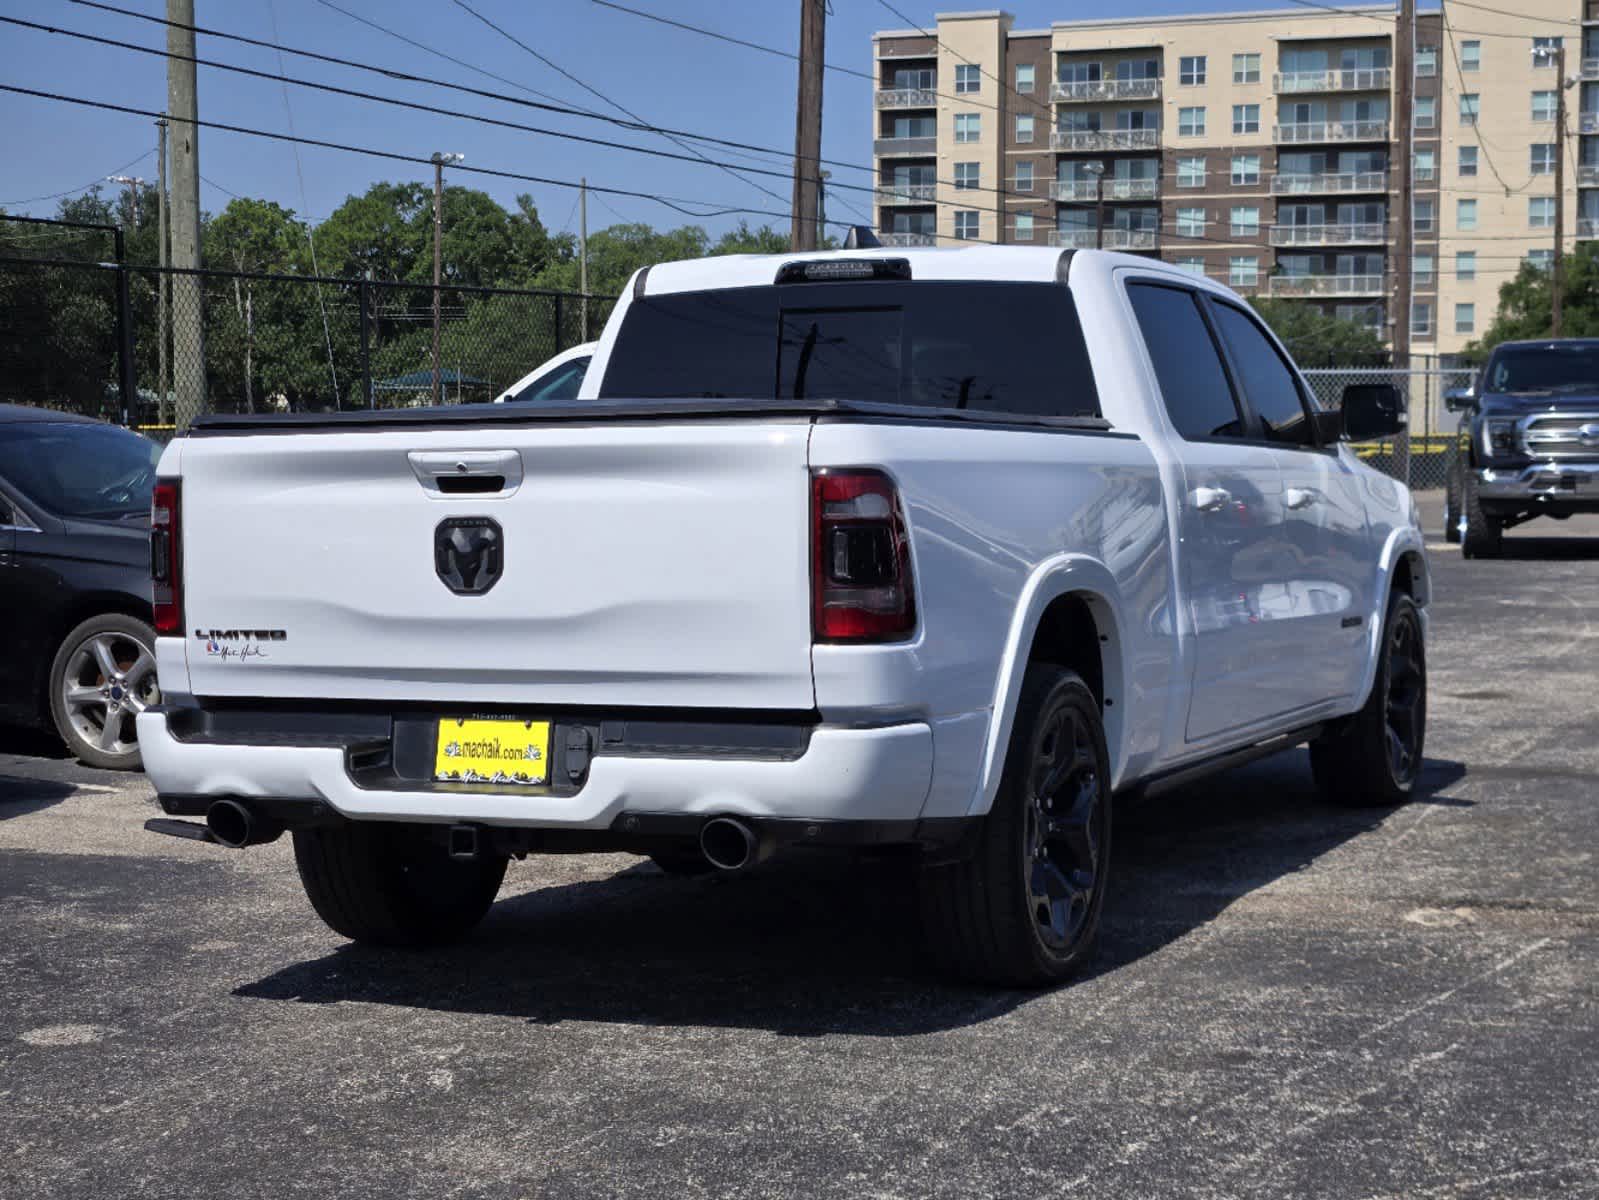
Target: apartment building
1254,147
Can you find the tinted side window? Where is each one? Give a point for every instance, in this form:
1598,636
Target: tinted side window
558,387
1267,380
1193,382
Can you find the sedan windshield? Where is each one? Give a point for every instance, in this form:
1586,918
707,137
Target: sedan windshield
1546,368
92,471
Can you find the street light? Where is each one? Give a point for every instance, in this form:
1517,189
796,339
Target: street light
1097,170
134,183
440,160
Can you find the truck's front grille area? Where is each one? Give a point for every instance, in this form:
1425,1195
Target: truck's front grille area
1561,435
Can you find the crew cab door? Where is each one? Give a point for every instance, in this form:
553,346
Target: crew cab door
1330,579
1232,550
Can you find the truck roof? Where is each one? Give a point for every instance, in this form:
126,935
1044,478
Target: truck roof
984,263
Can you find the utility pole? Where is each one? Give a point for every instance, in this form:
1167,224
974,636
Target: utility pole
163,280
808,124
582,259
821,206
1557,274
1404,247
188,324
439,160
134,183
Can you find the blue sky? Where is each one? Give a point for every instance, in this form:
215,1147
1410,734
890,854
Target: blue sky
667,76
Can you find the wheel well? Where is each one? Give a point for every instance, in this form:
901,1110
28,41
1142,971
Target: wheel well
1069,636
1409,577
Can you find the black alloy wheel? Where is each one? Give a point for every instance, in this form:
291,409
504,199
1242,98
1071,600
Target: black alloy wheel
1064,815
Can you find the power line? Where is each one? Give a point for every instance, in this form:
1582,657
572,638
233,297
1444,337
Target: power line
1454,52
727,37
673,202
74,191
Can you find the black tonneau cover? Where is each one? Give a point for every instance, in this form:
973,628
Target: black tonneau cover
588,412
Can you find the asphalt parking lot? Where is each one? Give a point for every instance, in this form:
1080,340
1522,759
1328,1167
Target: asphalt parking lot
1291,1000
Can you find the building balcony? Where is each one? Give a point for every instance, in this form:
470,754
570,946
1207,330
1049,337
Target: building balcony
1588,122
906,193
908,239
1079,190
1341,181
902,147
1105,89
1131,189
1302,132
1590,70
1370,79
1353,233
1588,227
1323,286
1105,139
1114,239
907,98
1588,175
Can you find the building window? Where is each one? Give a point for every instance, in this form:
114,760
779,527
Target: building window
966,223
1422,273
1246,169
1024,227
1470,106
1543,158
1426,112
1468,161
1466,215
966,176
1191,122
1426,165
1243,270
1541,212
1465,318
1426,62
1191,263
1540,259
1191,70
1024,78
1024,129
968,127
1421,319
1246,118
1191,171
1191,222
1465,266
968,79
1426,218
1024,177
1470,56
1543,50
1246,68
1245,221
1543,106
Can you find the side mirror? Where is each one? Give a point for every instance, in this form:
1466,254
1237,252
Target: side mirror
1373,410
1456,399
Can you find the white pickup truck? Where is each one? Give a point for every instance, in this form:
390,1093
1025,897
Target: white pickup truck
939,550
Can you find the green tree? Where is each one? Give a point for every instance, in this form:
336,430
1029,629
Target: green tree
1316,338
1526,302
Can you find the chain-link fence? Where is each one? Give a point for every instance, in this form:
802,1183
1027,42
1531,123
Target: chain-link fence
152,347
1420,456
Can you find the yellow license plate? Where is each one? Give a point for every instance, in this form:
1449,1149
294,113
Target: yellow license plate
471,751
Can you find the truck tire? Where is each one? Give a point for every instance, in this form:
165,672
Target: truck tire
1373,758
1482,535
1023,910
1452,504
394,885
102,677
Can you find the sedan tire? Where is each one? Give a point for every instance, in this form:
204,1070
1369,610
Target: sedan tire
102,678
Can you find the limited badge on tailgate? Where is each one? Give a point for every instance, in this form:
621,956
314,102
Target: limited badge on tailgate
479,751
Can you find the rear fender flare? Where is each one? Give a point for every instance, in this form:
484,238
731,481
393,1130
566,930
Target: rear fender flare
1402,541
1061,575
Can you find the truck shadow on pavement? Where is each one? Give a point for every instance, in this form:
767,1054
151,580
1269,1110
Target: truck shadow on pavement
20,796
1549,549
822,947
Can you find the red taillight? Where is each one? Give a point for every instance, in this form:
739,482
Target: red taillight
166,560
860,559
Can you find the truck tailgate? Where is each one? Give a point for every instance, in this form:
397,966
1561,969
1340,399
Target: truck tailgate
644,564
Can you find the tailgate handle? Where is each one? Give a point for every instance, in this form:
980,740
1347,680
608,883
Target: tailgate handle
445,473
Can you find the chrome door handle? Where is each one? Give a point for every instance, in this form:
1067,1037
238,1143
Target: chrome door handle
1297,498
1209,499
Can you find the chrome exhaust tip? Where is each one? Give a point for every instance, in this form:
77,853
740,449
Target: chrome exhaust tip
728,844
233,825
